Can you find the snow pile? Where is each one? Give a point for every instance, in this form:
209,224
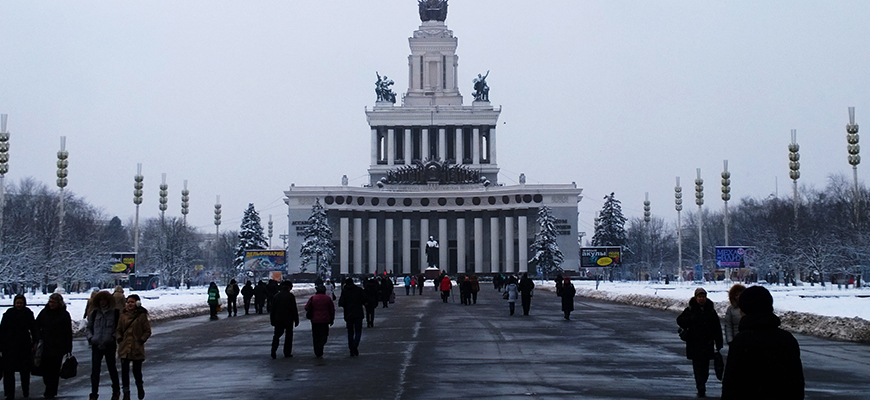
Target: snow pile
851,329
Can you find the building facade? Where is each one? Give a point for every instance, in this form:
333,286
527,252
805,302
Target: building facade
434,174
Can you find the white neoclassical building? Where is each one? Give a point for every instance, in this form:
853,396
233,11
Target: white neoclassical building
434,173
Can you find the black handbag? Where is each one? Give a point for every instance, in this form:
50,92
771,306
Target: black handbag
70,367
718,364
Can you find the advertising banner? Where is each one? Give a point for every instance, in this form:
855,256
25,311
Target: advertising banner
735,256
596,257
265,260
123,263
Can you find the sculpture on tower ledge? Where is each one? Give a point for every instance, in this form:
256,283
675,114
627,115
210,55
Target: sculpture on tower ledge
382,89
481,89
432,10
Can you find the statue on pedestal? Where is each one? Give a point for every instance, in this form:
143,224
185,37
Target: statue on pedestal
432,10
481,89
432,253
382,89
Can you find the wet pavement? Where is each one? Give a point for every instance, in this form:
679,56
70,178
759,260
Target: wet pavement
421,348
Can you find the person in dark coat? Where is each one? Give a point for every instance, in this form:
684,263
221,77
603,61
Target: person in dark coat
271,291
322,311
352,300
559,285
371,290
214,300
232,292
705,332
100,333
386,290
284,317
475,287
17,336
54,329
526,287
464,290
567,292
260,297
247,294
764,361
421,279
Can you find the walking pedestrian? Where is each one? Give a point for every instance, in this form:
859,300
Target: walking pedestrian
54,330
464,283
118,294
475,287
732,313
260,296
512,293
17,337
247,294
232,292
385,290
526,288
445,285
702,322
762,353
330,289
559,281
371,289
271,291
214,300
134,329
567,293
421,279
322,311
352,300
284,317
100,334
407,282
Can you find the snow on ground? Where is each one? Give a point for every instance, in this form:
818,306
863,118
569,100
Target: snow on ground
821,311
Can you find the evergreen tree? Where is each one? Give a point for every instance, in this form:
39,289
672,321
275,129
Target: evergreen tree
610,224
251,236
547,256
318,241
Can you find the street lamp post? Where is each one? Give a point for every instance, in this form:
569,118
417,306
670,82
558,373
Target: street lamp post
217,218
137,200
62,164
270,230
794,173
4,168
646,219
854,158
678,205
164,198
185,203
699,200
726,195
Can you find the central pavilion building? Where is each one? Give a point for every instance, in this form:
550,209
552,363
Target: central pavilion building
434,173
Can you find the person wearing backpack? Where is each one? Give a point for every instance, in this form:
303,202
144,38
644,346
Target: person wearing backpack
232,292
102,323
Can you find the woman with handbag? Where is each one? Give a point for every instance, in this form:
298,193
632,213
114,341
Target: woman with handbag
704,331
17,338
133,331
54,330
102,323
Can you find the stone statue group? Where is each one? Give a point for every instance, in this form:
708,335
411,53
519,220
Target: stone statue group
382,89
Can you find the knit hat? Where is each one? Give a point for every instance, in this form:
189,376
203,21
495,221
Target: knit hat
699,291
755,300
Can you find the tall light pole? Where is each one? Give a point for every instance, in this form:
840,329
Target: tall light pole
699,200
646,219
164,198
794,173
217,218
854,158
4,168
726,195
678,205
185,202
270,230
62,164
137,200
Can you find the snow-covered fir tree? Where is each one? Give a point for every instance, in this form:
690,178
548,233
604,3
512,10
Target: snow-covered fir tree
547,256
251,236
610,224
318,243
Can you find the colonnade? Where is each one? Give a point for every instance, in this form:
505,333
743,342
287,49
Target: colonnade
384,143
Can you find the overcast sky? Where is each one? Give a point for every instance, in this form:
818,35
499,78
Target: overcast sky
244,98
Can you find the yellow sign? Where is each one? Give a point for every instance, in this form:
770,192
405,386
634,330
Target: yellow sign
119,267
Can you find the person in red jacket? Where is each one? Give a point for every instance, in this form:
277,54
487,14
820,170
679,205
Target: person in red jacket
322,311
446,285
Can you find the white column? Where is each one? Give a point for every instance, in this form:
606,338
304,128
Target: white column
460,245
442,143
373,244
509,244
458,133
344,245
408,151
475,146
523,247
492,146
493,243
374,147
391,146
478,245
424,237
424,141
388,244
406,246
443,243
357,246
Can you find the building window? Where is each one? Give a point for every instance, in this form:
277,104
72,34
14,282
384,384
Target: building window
416,145
484,145
382,145
467,149
450,137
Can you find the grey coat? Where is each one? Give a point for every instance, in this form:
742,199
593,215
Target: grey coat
732,321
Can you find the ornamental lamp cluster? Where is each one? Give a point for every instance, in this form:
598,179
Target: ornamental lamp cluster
217,212
699,189
4,146
164,196
646,208
852,139
62,164
185,201
794,157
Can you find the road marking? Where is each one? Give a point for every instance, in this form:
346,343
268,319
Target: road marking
407,362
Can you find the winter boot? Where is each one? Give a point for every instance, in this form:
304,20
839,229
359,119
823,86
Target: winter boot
127,395
93,396
141,392
116,395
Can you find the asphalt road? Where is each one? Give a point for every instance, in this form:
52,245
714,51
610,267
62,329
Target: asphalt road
421,348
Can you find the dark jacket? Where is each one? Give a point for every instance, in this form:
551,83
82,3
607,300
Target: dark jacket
704,330
371,289
386,289
17,336
525,287
260,292
567,293
764,362
271,289
247,291
54,328
284,311
232,290
322,309
352,300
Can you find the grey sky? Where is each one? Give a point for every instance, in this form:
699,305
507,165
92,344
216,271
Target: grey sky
244,98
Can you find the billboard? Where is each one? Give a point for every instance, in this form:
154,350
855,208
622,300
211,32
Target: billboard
735,256
265,260
596,257
123,263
